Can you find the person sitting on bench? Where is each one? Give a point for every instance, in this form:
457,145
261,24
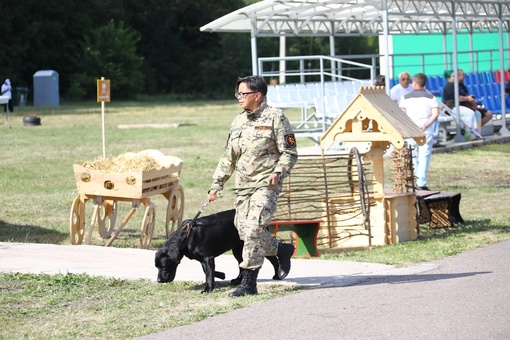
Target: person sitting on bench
466,100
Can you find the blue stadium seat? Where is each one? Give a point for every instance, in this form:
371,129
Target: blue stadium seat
442,82
432,82
494,104
496,88
468,79
478,78
475,90
497,104
433,85
486,102
485,90
489,76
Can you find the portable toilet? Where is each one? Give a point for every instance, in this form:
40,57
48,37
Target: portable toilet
46,88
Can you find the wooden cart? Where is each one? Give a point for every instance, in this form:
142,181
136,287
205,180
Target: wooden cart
106,190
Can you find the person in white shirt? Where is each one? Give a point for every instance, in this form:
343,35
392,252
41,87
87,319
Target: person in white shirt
423,108
7,92
402,88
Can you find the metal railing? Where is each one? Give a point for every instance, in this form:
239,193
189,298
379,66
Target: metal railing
317,68
321,69
351,65
314,69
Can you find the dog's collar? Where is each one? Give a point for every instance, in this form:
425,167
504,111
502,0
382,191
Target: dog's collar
187,227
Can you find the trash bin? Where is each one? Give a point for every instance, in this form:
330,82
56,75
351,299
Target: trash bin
20,97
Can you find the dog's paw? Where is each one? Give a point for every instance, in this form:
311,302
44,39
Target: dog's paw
206,290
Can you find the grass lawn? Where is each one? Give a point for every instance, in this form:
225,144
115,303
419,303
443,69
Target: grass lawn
37,188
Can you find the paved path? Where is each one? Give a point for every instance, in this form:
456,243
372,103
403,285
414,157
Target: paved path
130,263
461,297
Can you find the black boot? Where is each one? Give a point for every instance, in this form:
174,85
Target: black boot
248,284
284,254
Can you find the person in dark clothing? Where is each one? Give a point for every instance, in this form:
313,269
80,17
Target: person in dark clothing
465,98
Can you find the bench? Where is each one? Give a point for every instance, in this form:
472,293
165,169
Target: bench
440,209
306,235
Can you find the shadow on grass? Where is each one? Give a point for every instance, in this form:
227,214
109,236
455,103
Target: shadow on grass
30,234
217,284
469,227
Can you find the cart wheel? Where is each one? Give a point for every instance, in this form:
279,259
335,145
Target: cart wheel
147,230
109,212
175,209
77,221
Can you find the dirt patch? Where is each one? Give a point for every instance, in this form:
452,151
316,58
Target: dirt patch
152,125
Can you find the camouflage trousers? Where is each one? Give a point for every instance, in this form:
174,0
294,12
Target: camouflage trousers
253,215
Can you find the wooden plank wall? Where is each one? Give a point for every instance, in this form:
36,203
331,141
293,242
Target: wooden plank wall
316,180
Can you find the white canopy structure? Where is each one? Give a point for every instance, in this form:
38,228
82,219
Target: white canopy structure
335,18
348,17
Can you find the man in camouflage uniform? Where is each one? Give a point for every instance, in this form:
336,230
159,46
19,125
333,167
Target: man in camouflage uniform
261,149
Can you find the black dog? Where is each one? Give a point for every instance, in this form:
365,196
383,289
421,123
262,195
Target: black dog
208,237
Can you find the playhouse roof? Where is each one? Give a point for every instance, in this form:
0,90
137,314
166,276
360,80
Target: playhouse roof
389,123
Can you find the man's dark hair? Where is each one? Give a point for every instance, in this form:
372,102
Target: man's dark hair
380,80
254,83
420,79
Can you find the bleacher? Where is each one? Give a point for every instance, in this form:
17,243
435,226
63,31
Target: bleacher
485,86
320,103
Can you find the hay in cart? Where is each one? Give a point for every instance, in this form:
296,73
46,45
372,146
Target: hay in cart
129,175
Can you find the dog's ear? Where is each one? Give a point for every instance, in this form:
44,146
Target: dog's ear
160,257
173,246
167,253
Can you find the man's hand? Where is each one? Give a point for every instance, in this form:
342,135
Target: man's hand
212,196
273,180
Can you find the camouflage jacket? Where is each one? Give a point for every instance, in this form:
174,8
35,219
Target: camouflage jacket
260,143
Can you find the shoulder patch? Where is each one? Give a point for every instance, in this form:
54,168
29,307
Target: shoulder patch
290,140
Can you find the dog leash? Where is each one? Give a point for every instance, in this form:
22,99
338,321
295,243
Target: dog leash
199,212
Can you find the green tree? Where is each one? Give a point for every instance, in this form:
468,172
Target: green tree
179,58
109,51
47,35
153,42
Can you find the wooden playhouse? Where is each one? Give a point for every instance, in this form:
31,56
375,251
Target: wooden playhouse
346,189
